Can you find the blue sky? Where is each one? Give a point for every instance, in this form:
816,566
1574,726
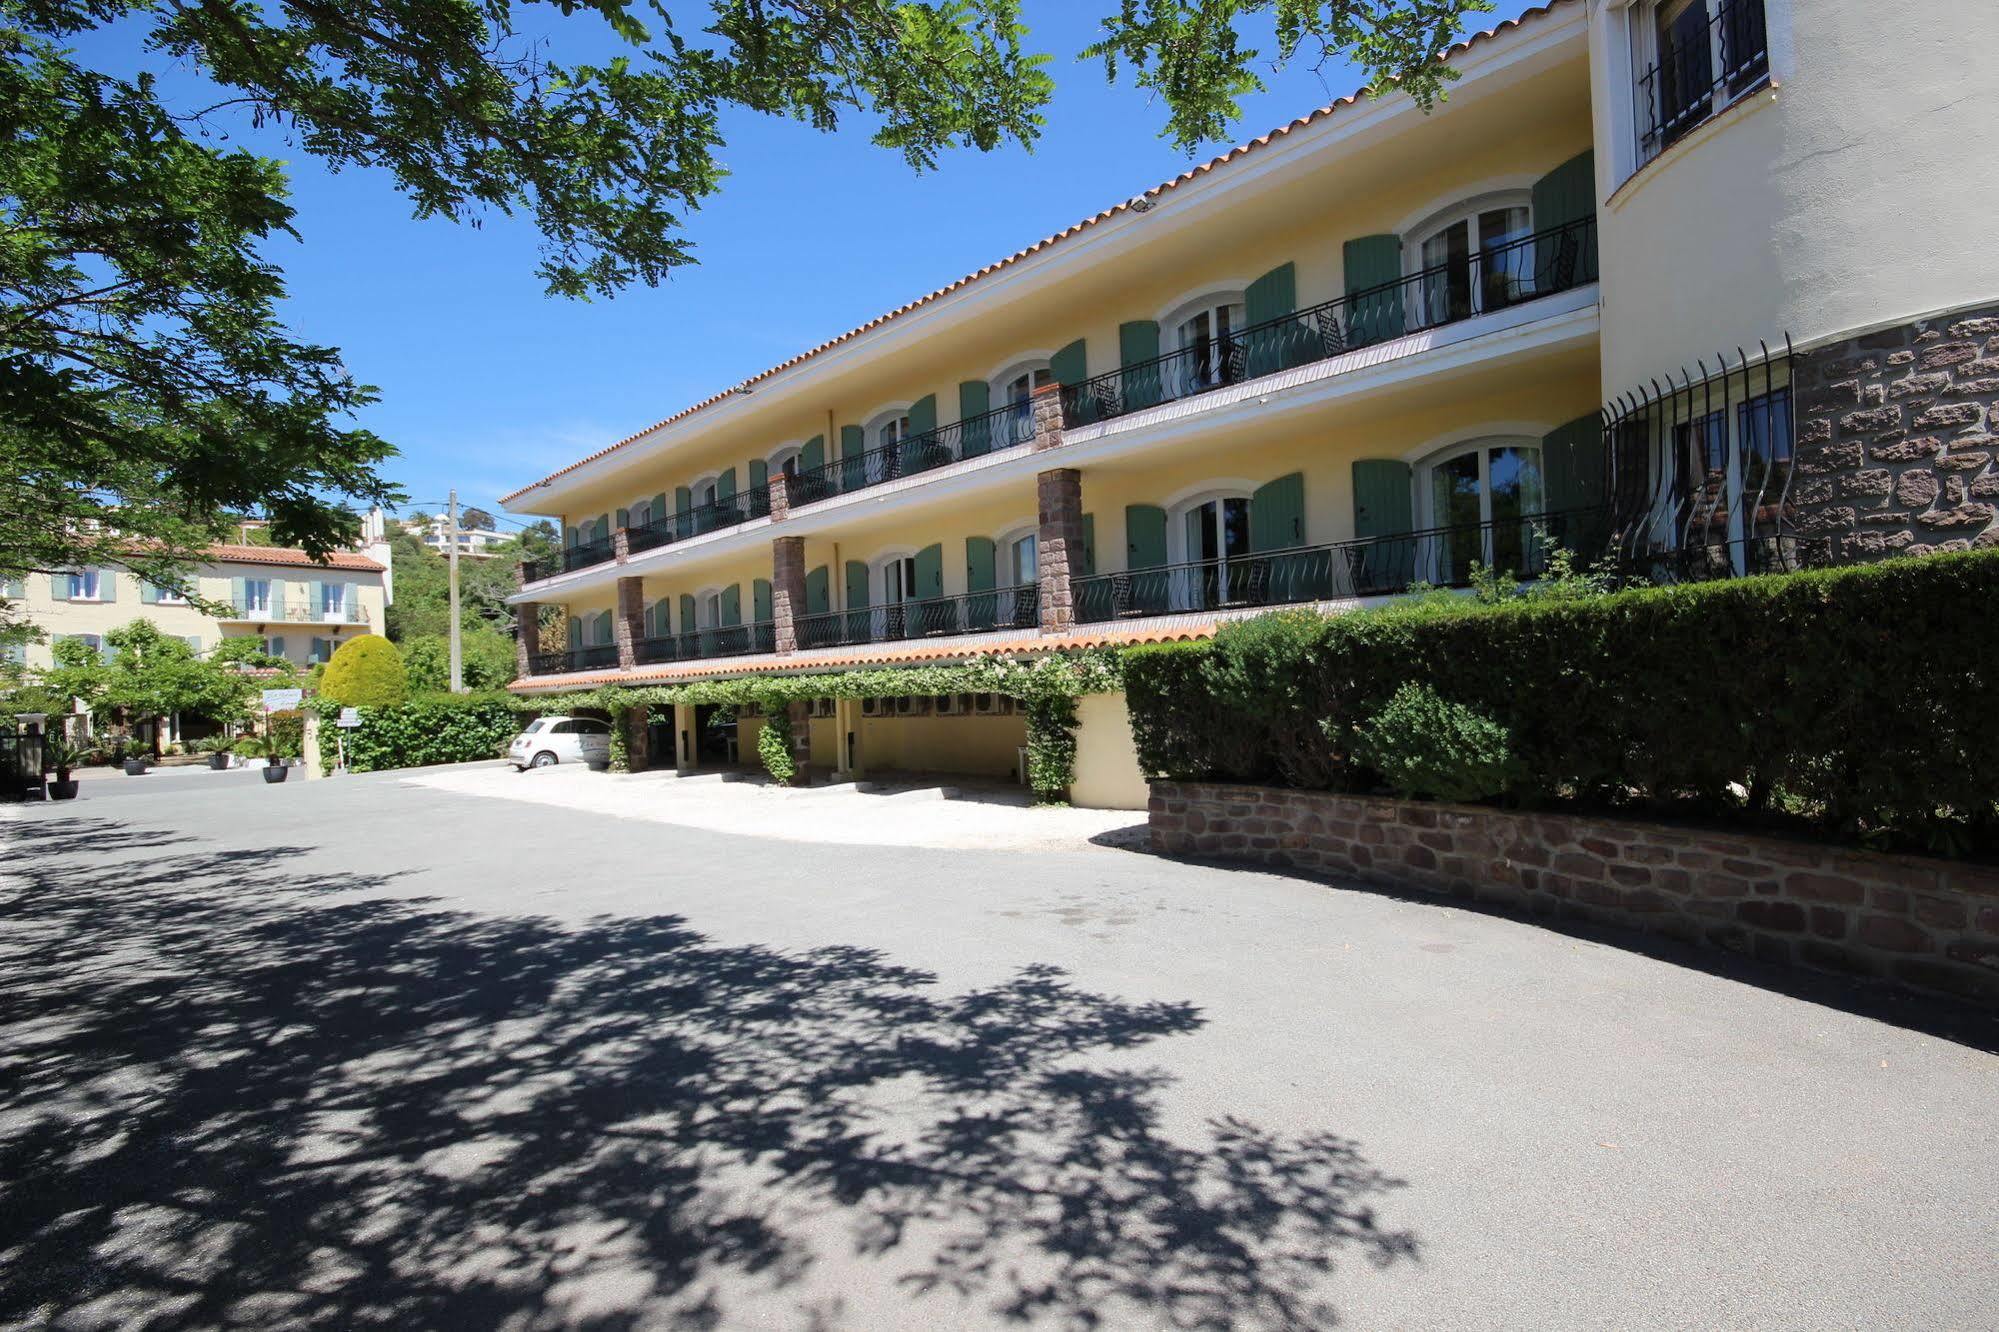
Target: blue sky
487,384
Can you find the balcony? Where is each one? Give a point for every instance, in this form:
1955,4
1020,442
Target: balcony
936,617
598,657
1705,65
1002,428
582,555
295,612
739,640
733,511
1502,277
1377,566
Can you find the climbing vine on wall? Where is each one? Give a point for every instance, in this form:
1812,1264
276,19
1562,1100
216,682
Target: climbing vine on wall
1048,687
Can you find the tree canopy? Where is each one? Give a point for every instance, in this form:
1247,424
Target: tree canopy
143,673
147,379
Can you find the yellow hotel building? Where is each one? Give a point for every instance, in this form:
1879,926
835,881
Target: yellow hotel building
1364,350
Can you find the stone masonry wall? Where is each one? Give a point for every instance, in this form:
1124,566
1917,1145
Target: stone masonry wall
1929,925
1897,435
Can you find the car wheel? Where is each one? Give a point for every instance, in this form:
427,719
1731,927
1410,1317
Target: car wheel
544,760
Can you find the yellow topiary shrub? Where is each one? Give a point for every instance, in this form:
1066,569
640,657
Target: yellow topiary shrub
365,672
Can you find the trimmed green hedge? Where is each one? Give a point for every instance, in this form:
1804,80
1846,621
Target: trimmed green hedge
1863,698
427,730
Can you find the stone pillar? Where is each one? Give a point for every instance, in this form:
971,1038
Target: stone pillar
527,637
787,590
780,497
621,546
635,738
685,754
628,625
1059,545
1047,404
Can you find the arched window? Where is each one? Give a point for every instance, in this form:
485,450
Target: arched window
889,428
784,461
1017,552
1013,388
1208,540
1200,335
1483,497
1475,257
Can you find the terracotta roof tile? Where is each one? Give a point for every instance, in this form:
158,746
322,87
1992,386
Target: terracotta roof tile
339,559
1193,173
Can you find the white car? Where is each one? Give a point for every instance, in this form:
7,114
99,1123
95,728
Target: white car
551,740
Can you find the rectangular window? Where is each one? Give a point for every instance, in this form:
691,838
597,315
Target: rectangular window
85,585
256,596
1701,56
322,649
167,596
1765,426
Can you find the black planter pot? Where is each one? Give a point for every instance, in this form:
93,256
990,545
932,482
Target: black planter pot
275,772
218,761
63,790
135,767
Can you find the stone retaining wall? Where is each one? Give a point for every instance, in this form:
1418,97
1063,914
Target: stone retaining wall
1926,924
1897,436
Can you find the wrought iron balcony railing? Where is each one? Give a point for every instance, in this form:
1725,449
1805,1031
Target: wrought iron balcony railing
582,555
1704,65
298,612
737,640
1001,428
1555,260
972,613
1377,566
596,657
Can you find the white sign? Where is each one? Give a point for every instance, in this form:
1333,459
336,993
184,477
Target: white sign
282,700
348,717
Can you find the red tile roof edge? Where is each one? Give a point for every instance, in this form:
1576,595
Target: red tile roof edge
288,555
1192,173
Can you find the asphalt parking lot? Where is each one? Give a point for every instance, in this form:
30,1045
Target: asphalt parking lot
367,1053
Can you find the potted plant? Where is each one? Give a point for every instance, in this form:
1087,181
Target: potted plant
256,747
59,756
135,767
218,751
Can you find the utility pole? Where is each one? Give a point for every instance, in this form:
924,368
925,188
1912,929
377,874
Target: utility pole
451,552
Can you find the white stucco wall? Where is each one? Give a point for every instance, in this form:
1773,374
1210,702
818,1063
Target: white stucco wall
1858,190
1107,775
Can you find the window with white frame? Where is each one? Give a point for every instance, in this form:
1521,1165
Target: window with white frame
1695,57
333,601
1481,499
784,462
1201,334
1021,555
1208,538
888,429
86,585
256,596
169,596
1474,259
1013,389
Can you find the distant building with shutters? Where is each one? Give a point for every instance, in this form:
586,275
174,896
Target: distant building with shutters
1366,351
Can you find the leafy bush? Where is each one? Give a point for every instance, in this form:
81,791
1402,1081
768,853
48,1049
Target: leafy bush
286,733
774,744
365,672
486,661
1857,694
1425,745
1051,747
429,729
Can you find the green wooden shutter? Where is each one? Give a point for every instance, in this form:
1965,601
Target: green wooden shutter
1272,297
687,616
1381,498
1372,261
568,535
923,415
1144,536
919,447
149,594
312,601
725,485
1138,353
107,585
575,632
277,645
813,456
857,585
980,564
1381,511
659,508
975,399
1575,470
1566,194
603,527
683,512
818,591
239,595
1070,365
277,595
759,473
1277,514
930,571
624,517
853,467
1089,559
760,601
732,605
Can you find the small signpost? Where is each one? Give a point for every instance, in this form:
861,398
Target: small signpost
349,719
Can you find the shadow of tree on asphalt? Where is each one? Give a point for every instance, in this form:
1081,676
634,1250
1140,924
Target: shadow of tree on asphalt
230,1093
